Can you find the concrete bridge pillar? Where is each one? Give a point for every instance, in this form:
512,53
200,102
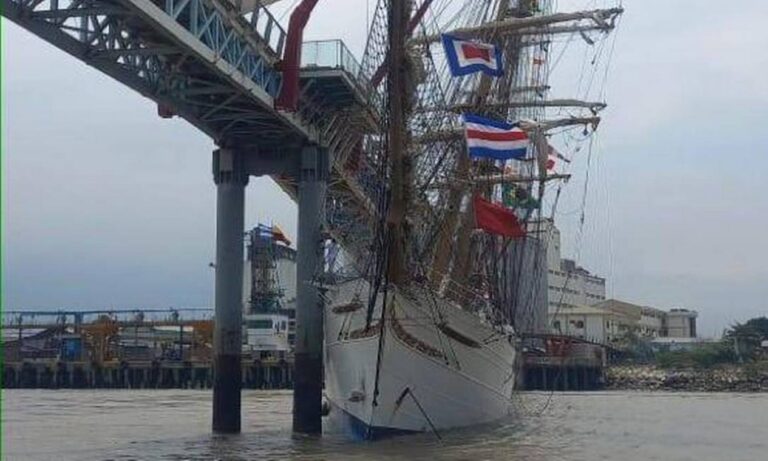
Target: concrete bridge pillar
308,377
231,177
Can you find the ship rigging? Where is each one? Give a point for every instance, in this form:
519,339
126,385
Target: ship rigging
449,257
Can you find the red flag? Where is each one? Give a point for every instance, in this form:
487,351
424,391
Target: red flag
550,162
496,219
473,51
555,153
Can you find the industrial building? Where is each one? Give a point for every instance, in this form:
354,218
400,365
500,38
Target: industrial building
269,294
569,285
160,347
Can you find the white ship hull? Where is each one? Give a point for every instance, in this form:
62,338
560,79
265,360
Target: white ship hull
426,378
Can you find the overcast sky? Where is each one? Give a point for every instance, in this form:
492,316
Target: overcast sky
107,205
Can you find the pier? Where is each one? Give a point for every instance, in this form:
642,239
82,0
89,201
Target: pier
126,349
48,374
230,70
562,363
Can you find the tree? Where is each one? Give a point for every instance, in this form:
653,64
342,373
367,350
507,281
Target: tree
746,337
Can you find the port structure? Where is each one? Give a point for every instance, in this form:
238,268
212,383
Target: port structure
223,66
122,348
266,293
108,335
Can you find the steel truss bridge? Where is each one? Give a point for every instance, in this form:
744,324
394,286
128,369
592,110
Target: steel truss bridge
200,59
211,63
216,65
221,65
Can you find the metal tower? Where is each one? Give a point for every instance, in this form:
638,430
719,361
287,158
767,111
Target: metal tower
266,294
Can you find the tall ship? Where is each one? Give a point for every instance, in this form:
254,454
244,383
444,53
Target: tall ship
437,220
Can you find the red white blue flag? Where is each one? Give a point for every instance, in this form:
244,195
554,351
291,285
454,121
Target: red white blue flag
494,139
468,56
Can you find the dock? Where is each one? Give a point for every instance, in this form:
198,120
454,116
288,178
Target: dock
156,374
128,349
562,363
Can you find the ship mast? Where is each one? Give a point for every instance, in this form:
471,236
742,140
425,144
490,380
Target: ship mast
462,265
398,103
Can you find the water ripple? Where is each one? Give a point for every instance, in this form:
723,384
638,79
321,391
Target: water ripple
172,425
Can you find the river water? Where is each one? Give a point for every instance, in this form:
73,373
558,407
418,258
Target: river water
174,425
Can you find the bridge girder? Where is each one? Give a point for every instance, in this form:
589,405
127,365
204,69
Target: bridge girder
215,67
209,65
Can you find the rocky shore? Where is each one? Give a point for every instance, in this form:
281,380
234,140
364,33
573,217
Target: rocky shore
747,378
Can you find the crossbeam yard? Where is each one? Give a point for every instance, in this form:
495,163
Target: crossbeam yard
201,59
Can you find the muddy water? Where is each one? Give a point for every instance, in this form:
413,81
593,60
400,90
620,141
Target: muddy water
174,425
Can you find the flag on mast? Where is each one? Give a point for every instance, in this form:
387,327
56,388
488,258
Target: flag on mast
495,219
279,235
515,196
469,56
550,162
555,153
494,139
553,156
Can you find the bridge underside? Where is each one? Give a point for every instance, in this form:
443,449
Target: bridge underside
215,67
195,58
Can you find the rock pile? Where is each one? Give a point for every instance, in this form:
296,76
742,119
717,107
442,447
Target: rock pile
726,379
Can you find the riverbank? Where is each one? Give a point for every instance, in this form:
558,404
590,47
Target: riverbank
730,378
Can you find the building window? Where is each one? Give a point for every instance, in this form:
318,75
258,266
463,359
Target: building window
579,324
260,324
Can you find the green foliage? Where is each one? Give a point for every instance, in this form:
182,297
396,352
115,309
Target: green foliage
759,325
746,337
637,349
741,343
756,328
704,356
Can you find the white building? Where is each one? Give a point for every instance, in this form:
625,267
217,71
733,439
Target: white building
585,322
569,284
681,323
643,321
577,305
612,321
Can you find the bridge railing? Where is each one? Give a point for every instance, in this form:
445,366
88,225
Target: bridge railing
332,54
268,28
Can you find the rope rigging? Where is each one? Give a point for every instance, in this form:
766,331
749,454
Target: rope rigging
445,261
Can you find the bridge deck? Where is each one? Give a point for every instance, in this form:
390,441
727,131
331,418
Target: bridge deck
217,68
199,58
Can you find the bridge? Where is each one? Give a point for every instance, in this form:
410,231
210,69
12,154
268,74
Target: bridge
230,69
